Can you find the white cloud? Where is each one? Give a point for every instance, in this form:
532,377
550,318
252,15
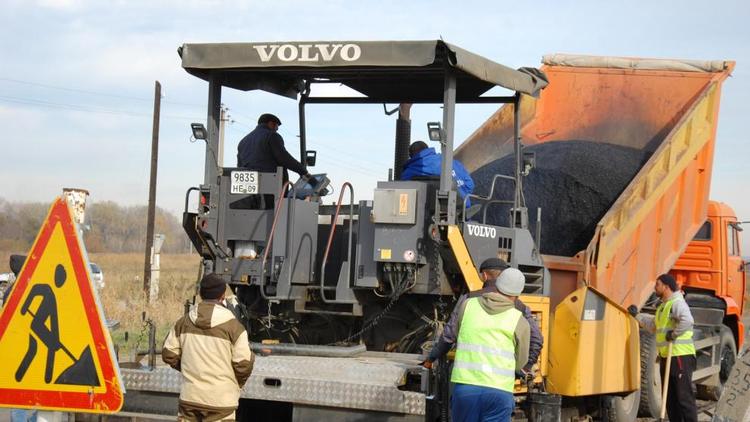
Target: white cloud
68,5
121,47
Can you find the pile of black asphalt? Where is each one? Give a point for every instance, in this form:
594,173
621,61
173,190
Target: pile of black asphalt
574,183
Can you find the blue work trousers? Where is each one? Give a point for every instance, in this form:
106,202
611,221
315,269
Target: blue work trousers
473,403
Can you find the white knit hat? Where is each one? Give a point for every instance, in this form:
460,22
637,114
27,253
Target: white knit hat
510,282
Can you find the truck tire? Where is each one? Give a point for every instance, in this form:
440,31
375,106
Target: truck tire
621,409
728,350
650,400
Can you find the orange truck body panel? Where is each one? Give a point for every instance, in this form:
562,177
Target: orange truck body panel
675,113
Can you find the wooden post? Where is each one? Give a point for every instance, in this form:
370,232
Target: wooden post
152,190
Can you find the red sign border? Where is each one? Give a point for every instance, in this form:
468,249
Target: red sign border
112,399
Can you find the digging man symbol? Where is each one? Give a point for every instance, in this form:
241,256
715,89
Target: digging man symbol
45,327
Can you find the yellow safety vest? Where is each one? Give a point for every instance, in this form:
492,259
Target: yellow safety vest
682,345
485,348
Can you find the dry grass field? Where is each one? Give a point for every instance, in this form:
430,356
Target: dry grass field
123,298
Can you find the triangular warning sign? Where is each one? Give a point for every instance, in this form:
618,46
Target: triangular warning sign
55,351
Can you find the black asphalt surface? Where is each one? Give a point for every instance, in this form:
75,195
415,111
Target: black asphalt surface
574,182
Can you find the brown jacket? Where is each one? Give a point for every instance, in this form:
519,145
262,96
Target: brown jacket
209,346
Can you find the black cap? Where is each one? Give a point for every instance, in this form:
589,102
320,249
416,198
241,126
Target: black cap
212,286
268,117
416,148
493,264
16,263
669,281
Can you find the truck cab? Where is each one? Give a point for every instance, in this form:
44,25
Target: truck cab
711,273
712,265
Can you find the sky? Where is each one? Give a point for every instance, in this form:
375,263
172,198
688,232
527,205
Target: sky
77,82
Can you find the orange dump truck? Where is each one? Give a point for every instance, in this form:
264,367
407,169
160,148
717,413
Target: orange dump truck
662,221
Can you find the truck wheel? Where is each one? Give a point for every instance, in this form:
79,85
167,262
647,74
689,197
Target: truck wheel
650,400
728,350
622,409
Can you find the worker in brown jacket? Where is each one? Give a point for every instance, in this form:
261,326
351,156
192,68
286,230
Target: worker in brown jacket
209,346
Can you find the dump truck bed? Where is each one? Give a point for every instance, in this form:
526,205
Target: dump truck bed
667,108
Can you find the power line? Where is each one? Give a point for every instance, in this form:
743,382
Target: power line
357,157
339,162
85,109
336,158
241,124
102,94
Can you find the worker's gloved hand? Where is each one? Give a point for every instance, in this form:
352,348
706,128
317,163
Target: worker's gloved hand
633,310
311,180
671,335
528,373
521,374
426,363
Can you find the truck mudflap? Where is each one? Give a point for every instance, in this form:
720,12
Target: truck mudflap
365,382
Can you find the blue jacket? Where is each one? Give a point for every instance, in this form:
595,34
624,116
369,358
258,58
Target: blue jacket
427,163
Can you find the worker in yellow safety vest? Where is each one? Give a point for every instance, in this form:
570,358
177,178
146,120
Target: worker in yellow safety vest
673,323
492,344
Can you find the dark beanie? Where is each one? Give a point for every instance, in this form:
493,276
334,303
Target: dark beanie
212,286
493,264
669,281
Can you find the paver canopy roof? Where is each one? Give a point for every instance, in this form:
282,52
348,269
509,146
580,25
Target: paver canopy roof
391,71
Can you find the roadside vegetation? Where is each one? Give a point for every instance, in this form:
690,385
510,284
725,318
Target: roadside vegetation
124,301
114,236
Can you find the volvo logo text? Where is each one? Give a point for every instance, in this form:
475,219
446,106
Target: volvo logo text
482,231
308,52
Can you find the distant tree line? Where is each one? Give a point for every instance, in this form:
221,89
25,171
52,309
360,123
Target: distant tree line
109,227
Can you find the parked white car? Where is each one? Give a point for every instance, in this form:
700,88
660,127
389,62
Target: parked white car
6,280
97,276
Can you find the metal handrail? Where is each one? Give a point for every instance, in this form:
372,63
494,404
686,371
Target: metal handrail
269,241
335,219
187,197
494,201
212,246
487,199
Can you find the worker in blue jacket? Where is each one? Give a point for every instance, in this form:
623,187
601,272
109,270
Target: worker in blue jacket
424,161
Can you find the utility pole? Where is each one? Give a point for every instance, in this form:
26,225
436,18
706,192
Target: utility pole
152,192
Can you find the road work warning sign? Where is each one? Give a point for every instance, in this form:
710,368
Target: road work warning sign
55,353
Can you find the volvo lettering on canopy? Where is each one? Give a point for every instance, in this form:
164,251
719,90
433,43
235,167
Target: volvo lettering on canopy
308,52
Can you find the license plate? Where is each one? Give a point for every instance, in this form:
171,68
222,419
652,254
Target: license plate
244,182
